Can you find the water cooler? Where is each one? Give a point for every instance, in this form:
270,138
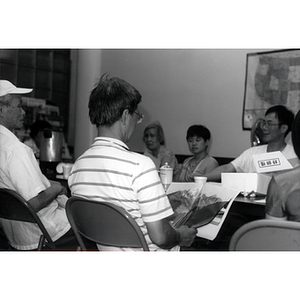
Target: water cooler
50,152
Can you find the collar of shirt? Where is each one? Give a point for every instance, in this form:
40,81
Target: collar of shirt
100,140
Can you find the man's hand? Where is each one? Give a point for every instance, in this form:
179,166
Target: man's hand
187,235
45,197
62,200
59,186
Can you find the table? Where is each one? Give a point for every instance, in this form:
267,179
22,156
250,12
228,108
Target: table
252,209
242,211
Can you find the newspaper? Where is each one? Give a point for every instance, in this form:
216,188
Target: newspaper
203,208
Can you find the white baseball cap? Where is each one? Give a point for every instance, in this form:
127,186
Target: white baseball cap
8,88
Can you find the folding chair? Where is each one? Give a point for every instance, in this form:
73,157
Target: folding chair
103,223
14,207
267,235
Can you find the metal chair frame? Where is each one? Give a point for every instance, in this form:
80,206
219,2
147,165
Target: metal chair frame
267,235
103,223
14,207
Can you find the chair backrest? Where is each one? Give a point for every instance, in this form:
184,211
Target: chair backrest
267,235
103,223
14,207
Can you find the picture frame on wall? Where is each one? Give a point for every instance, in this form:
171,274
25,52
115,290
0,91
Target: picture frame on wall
272,78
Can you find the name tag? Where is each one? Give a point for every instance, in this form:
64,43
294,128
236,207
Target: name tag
271,162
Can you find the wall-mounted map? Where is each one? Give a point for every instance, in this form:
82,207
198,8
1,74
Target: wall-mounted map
272,78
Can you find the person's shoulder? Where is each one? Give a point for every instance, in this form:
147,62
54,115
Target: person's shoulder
256,149
213,161
12,142
16,150
139,157
291,155
165,151
288,174
208,157
188,159
145,162
285,180
289,147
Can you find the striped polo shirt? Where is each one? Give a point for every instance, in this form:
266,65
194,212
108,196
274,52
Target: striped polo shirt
109,171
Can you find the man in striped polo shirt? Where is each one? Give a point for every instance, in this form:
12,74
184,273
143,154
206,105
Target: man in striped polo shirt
109,171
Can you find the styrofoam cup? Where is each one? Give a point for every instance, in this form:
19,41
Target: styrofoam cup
200,180
67,170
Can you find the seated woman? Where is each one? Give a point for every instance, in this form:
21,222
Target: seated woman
200,163
154,140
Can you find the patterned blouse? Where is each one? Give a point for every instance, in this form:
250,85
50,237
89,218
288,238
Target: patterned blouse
164,155
189,169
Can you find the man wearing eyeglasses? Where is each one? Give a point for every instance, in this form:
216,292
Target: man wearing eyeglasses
276,126
109,171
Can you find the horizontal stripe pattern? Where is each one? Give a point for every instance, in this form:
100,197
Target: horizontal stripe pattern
108,158
103,170
108,171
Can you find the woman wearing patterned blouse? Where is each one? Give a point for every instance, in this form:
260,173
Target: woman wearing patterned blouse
154,140
201,162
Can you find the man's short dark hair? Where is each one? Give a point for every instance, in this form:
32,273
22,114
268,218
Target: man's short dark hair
198,131
110,98
284,116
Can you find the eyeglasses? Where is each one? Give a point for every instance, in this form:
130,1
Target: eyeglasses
268,124
140,117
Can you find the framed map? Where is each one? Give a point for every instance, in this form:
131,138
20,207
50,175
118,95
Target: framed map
272,78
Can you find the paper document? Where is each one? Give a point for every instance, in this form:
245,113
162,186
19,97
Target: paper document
204,209
211,230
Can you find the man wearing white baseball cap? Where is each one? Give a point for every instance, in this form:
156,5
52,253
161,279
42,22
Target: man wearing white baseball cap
7,88
19,171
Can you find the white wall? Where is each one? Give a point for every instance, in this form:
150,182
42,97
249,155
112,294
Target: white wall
185,87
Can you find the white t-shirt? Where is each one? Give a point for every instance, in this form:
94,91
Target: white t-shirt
245,164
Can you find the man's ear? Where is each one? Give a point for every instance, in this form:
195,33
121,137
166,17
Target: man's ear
284,127
125,116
